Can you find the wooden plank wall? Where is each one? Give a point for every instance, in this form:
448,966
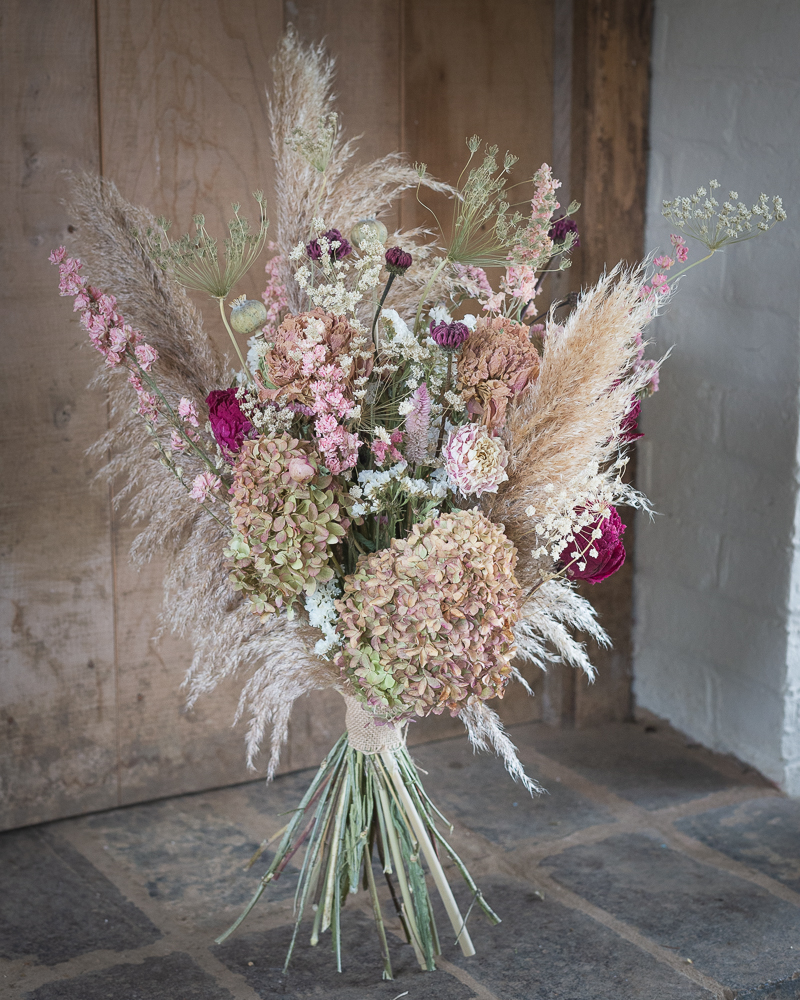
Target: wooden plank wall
167,98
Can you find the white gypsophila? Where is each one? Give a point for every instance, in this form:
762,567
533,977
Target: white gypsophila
564,513
270,421
427,363
332,293
469,321
322,614
377,488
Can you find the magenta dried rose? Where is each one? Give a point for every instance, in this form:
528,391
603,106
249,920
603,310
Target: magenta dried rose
228,424
595,559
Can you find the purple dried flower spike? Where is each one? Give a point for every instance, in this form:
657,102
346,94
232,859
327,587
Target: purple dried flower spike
314,250
449,336
398,261
558,231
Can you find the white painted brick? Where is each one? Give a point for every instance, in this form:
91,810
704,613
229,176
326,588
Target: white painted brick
717,581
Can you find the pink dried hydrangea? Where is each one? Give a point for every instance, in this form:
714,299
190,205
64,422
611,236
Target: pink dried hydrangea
474,461
428,621
285,523
497,362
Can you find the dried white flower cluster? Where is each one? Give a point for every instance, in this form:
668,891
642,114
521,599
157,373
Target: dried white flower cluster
702,217
322,614
270,421
379,490
565,512
338,293
425,362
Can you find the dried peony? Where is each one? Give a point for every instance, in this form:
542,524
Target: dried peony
429,620
228,424
497,362
284,523
305,343
597,550
474,462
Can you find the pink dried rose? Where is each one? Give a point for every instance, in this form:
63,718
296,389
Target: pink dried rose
428,621
475,463
229,425
595,559
497,363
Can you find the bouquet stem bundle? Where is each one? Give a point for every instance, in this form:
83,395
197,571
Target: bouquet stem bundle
363,807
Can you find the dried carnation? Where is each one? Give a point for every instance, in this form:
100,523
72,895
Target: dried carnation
285,522
428,622
596,550
497,362
328,338
474,461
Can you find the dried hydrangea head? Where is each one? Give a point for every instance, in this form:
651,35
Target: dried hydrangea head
497,362
475,463
286,517
428,622
304,344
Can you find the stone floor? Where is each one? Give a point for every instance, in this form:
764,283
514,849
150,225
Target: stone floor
651,869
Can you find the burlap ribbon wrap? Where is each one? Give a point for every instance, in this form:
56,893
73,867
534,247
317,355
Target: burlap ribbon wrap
365,735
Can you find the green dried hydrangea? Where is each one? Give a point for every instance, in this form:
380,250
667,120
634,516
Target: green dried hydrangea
429,620
286,517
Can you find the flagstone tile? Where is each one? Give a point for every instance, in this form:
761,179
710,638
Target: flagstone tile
650,769
731,929
55,905
545,951
762,833
477,790
312,972
172,977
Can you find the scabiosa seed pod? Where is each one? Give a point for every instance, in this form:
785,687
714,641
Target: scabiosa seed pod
248,315
314,250
449,336
398,261
366,227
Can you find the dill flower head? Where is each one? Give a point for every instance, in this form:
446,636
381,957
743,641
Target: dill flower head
304,344
286,516
497,362
428,621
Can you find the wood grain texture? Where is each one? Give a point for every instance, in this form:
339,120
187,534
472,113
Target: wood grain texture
57,743
610,100
470,68
184,130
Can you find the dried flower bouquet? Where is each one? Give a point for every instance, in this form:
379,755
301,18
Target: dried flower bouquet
384,498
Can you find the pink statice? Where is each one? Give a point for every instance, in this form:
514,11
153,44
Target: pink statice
274,295
115,339
203,485
520,281
418,421
475,463
681,250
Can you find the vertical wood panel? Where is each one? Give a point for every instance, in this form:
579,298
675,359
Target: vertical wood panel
610,103
184,130
57,742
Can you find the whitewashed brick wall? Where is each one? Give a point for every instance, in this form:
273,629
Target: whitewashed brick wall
717,583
